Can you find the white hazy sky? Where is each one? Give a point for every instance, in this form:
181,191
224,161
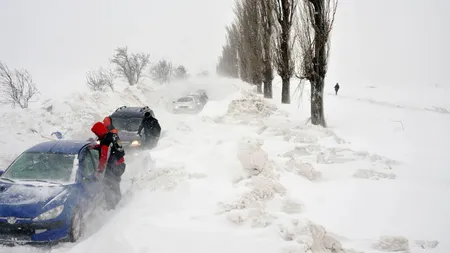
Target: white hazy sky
375,42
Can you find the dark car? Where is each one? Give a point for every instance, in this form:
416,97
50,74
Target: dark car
47,192
127,120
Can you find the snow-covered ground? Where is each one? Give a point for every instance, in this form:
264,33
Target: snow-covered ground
240,177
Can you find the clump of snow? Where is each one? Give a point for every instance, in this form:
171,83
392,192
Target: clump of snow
289,206
252,157
373,175
392,244
308,237
250,109
426,244
303,169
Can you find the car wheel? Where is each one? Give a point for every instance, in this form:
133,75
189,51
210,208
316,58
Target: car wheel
76,226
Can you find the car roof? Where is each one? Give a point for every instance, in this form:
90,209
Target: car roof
131,112
59,146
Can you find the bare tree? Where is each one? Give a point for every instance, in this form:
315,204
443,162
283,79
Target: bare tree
180,72
100,79
316,23
131,67
251,41
267,27
228,61
162,72
284,12
17,87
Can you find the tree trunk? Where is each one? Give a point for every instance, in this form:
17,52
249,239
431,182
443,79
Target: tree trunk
268,89
259,88
285,91
317,112
317,85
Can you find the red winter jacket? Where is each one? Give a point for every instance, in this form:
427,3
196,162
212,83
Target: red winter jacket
107,140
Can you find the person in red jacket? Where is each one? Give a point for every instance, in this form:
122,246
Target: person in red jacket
111,162
108,123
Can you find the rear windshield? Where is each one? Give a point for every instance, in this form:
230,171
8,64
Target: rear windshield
185,99
126,124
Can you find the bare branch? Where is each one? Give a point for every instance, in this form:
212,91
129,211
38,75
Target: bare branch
100,80
131,67
180,72
16,87
162,72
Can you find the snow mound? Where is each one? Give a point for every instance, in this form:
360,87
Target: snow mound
426,244
252,157
250,109
307,237
303,169
373,175
260,182
392,244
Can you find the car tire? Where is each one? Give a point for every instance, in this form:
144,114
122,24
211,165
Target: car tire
76,226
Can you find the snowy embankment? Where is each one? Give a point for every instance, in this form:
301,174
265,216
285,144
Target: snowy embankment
247,175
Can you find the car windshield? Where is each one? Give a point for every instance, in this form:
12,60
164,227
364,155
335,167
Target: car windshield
127,124
185,99
52,167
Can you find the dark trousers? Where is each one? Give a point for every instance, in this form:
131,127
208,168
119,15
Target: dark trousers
111,183
149,141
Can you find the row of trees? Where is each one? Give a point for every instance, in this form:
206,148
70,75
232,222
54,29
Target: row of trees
132,67
291,37
18,89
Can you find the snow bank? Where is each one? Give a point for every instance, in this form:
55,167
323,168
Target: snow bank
73,115
392,244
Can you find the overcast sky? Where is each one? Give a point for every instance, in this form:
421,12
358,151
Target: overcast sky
391,42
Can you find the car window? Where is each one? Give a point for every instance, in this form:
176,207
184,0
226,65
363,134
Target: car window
95,156
88,164
185,99
127,124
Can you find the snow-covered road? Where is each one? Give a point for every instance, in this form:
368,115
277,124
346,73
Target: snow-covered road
249,181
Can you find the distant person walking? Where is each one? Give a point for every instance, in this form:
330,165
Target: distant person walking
336,88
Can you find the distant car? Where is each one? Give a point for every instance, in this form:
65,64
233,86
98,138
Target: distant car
47,193
188,104
127,120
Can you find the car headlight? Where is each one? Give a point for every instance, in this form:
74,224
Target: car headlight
98,142
50,214
135,144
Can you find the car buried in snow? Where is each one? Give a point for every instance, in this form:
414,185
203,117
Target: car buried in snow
48,191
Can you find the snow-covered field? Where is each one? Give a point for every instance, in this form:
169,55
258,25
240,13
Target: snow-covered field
244,178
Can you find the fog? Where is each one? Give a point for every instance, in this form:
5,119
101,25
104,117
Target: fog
375,42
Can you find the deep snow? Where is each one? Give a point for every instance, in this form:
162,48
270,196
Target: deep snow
237,179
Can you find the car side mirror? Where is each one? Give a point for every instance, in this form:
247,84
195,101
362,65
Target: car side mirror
1,172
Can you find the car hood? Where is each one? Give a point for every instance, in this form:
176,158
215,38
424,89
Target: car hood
128,136
28,200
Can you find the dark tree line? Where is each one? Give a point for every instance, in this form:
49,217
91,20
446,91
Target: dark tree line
262,40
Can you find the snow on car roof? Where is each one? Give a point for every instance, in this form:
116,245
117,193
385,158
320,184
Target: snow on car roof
60,146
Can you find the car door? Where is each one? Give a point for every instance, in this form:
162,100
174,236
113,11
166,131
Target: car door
91,184
96,186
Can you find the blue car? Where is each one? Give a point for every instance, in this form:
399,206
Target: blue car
48,191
